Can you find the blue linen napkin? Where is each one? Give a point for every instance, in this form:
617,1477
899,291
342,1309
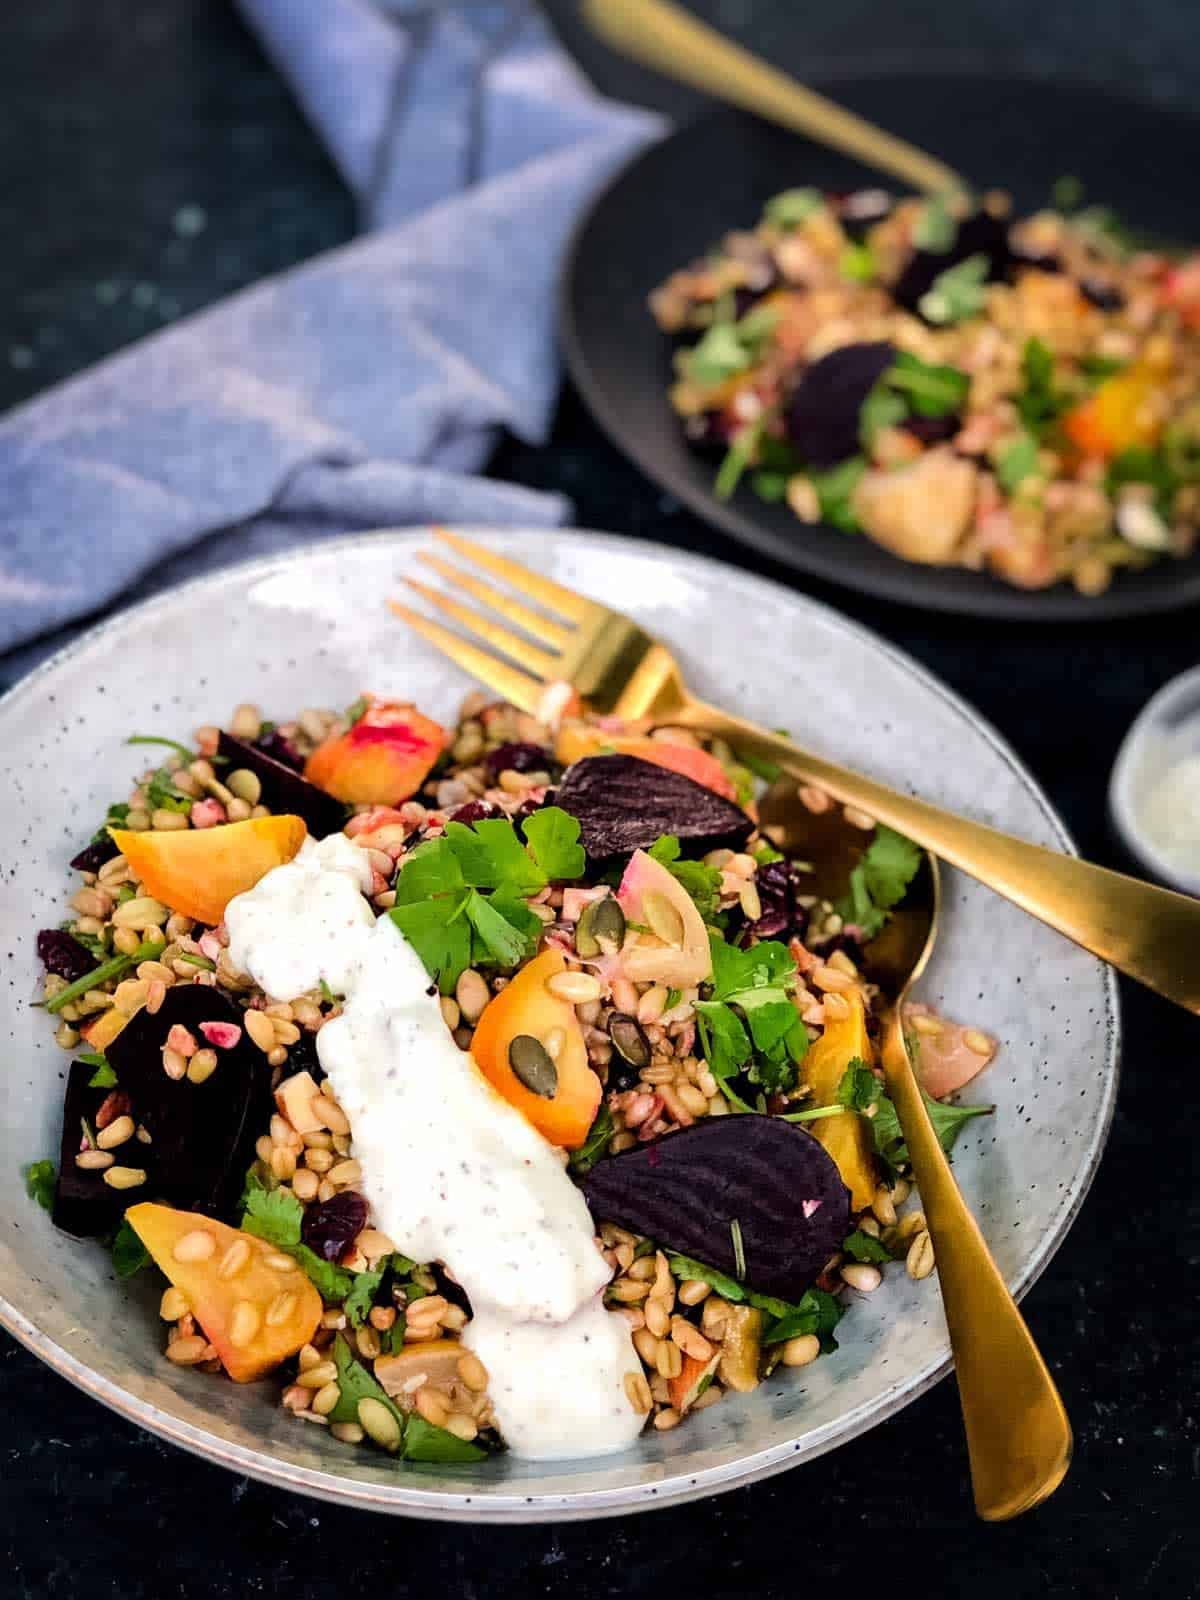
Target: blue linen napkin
365,388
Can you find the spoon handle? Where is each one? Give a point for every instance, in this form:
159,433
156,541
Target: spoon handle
663,36
1149,933
1018,1435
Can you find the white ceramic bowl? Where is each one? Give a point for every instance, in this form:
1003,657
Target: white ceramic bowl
312,628
1167,728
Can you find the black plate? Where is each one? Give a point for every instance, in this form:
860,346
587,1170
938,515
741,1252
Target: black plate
677,198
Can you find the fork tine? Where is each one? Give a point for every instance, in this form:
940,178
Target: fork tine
517,687
497,635
565,601
534,622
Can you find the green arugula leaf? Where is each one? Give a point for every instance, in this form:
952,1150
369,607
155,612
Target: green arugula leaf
931,390
1016,461
880,880
594,1146
129,1254
702,883
553,836
935,229
957,293
792,207
835,493
40,1179
862,1247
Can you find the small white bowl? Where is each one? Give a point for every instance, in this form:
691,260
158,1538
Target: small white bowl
1166,728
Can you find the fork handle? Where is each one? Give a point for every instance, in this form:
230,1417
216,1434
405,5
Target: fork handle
663,36
1149,933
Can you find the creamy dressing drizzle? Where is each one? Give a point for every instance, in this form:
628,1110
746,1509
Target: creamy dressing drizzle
452,1171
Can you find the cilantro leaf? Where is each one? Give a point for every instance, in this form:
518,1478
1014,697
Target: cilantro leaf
859,1088
424,1442
553,836
1040,401
728,348
735,972
957,293
361,1298
1016,461
935,229
430,871
702,883
40,1179
857,263
275,1215
504,944
931,390
129,1254
862,1247
835,493
491,856
441,936
792,207
880,880
594,1146
948,1122
355,1383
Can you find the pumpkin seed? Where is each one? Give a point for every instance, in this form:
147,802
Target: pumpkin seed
629,1039
601,928
662,917
532,1064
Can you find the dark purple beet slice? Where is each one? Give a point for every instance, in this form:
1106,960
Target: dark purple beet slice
823,414
774,1180
516,758
980,234
332,1227
623,804
202,1134
93,856
279,749
284,790
83,1203
932,430
62,954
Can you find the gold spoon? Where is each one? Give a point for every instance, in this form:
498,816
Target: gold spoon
663,36
1018,1435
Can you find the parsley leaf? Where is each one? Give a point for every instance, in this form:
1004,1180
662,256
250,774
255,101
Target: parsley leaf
129,1254
931,390
275,1215
358,1302
490,856
859,1088
1016,461
880,880
862,1247
441,936
792,207
503,943
553,836
815,1311
40,1179
957,293
594,1146
835,493
355,1383
757,981
882,408
947,1122
728,348
1040,401
935,229
701,882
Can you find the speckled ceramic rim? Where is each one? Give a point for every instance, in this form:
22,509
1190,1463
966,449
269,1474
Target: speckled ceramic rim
679,1487
1157,713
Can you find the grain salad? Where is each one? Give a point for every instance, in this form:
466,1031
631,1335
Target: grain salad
497,1086
1019,396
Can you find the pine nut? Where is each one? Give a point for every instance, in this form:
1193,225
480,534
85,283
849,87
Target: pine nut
330,1114
280,1309
173,1305
277,1056
658,1318
798,1352
94,1160
244,1322
461,1426
637,1392
668,1419
382,1317
652,1004
130,996
576,987
325,1399
283,1162
472,994
451,1015
668,1359
472,1372
695,1103
830,979
693,1290
977,1043
861,1275
318,1160
285,1031
367,1341
234,1259
124,1177
919,1262
629,1291
187,1351
379,1422
261,1029
646,1346
690,1340
202,1066
143,911
278,1262
317,1376
750,901
197,1245
347,1432
431,1406
346,1172
884,1206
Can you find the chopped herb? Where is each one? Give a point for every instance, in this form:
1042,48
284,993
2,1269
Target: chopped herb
104,1077
355,1383
936,229
114,817
40,1179
792,207
857,263
771,1039
100,975
770,486
737,458
835,493
931,390
862,1247
173,744
1100,367
328,995
728,348
947,1122
768,771
813,1114
880,880
361,1298
739,1250
859,1088
594,1146
424,1442
129,1254
674,996
356,712
767,853
957,293
882,408
197,961
702,883
1040,401
275,1215
553,837
815,1311
1016,461
1066,194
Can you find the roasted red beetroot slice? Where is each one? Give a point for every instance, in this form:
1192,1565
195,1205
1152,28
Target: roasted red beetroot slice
83,1203
980,234
823,413
202,1134
284,791
93,856
774,1180
623,804
63,954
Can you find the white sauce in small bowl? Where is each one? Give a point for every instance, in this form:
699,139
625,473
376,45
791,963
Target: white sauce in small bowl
453,1173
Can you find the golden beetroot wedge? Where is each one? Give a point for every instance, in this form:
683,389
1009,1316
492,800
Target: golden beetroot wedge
198,871
382,759
847,1138
254,1310
556,1089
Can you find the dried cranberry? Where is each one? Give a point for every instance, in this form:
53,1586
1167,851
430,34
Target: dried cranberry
64,956
528,807
274,744
776,884
331,1228
473,811
93,856
516,758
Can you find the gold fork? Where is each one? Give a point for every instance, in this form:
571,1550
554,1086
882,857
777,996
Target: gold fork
617,668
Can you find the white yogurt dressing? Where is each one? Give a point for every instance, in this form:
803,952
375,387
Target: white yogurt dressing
452,1171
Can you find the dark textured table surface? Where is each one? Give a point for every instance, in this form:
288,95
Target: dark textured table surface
151,163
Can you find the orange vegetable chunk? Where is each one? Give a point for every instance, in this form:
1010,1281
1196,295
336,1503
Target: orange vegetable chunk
198,871
847,1138
526,1007
254,1311
1126,410
380,761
